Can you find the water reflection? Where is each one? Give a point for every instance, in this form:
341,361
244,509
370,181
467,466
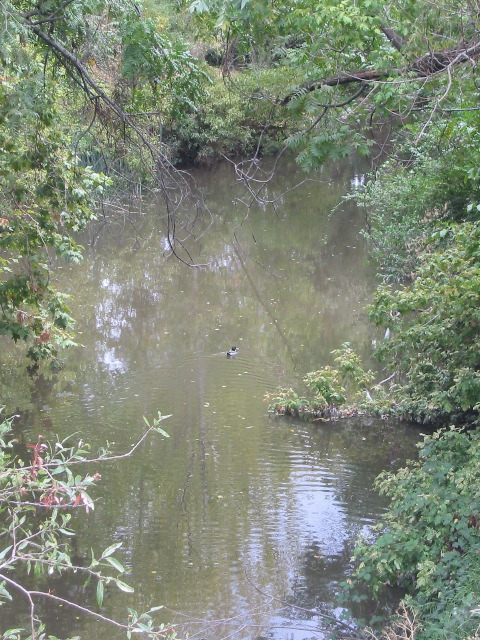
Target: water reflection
237,512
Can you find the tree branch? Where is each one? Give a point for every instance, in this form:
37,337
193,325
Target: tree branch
392,36
424,66
51,17
172,182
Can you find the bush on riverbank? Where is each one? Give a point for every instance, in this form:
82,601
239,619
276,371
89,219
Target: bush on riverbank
431,347
336,392
424,188
236,116
429,540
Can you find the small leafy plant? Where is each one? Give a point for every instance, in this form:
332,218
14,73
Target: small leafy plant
286,402
333,389
36,503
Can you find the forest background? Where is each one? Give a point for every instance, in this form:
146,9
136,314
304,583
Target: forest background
95,96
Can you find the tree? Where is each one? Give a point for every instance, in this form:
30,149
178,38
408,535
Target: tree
36,503
364,67
69,78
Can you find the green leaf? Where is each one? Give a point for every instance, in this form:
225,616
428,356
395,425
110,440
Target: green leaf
124,587
100,592
116,565
111,549
4,552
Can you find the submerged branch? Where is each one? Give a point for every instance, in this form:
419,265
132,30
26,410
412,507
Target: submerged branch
358,635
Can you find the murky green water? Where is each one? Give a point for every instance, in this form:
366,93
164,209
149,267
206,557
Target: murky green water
236,511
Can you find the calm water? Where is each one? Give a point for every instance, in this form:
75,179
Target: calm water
237,512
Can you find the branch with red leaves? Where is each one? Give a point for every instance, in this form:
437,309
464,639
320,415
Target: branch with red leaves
36,502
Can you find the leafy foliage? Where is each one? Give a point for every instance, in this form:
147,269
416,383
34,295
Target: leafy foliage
335,391
351,67
434,340
245,29
232,120
429,541
46,197
68,74
159,71
420,192
36,503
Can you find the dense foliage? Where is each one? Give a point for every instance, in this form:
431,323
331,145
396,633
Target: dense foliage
46,197
420,191
352,69
66,97
434,343
429,542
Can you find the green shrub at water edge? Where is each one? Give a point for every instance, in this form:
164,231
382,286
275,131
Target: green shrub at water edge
336,392
429,540
431,349
236,115
434,325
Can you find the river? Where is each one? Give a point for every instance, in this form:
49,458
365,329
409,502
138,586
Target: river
238,512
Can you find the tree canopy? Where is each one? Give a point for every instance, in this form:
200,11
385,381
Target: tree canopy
360,68
70,79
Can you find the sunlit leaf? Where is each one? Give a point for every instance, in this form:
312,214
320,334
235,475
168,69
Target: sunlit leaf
111,549
100,592
124,587
116,564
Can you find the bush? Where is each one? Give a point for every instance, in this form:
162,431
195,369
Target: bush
434,343
334,390
231,120
429,541
427,185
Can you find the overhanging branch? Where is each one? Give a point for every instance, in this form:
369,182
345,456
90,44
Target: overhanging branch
173,183
424,66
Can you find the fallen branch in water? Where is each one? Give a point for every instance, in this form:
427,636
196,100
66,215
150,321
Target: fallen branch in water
357,633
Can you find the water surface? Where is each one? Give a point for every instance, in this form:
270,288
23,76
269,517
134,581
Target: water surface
237,513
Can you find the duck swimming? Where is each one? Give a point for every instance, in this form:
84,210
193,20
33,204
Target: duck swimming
233,352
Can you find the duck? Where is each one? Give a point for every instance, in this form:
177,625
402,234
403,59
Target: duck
233,352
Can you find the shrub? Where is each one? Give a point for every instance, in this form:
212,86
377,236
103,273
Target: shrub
434,343
429,540
426,185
